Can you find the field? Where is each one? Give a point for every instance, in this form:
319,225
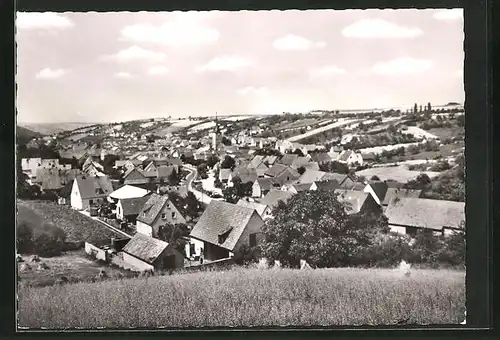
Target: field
73,265
251,297
443,133
398,173
78,227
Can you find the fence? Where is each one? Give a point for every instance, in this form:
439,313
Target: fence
96,252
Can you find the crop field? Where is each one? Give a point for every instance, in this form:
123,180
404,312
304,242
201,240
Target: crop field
75,266
398,173
78,227
251,297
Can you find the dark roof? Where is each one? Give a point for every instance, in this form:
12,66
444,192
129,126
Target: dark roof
89,185
321,157
245,174
265,183
380,189
274,196
368,156
270,159
49,179
288,159
222,219
164,171
401,193
302,186
152,208
276,170
133,170
425,213
256,161
327,185
145,248
133,206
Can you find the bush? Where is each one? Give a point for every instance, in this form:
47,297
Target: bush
387,251
49,241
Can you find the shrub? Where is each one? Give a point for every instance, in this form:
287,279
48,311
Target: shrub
387,251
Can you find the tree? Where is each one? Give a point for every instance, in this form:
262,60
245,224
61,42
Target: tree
268,152
335,167
24,236
301,170
193,206
415,108
461,120
174,177
228,163
202,171
237,191
314,225
174,234
212,160
226,141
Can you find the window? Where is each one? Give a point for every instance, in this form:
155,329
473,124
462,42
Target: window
163,216
99,191
253,240
173,214
91,202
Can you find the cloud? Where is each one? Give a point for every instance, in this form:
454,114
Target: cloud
46,20
225,63
182,31
449,14
295,42
122,75
402,66
329,70
378,28
253,90
48,73
136,53
158,70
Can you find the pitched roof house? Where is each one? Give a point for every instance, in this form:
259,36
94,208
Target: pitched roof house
357,201
261,186
145,253
225,227
282,174
244,174
407,215
129,208
393,193
378,190
135,176
157,211
128,191
89,190
263,210
273,197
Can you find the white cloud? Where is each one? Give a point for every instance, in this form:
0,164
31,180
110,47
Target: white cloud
329,70
295,42
184,30
46,20
225,63
122,75
253,90
449,14
48,73
137,53
158,70
378,28
402,66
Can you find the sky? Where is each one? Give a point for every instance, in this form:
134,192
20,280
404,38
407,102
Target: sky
106,67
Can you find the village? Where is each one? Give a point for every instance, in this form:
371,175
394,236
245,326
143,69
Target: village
192,193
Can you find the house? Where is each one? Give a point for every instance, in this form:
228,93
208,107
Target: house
263,210
149,254
357,201
296,188
397,193
282,174
258,164
244,174
378,190
225,227
157,211
87,191
135,176
408,215
127,209
330,185
270,160
310,176
274,196
261,187
128,191
320,157
368,158
350,158
224,175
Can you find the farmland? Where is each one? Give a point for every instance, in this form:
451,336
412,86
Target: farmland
78,227
72,265
398,173
247,297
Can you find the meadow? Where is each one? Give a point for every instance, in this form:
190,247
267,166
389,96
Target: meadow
243,297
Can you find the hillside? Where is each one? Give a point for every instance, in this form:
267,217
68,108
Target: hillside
251,297
51,128
25,135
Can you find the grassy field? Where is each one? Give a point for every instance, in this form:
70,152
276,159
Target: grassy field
75,266
251,297
398,173
78,228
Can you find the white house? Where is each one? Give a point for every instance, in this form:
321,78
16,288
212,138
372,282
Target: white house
87,191
350,158
157,211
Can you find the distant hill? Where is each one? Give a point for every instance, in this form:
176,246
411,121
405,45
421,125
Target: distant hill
51,128
25,135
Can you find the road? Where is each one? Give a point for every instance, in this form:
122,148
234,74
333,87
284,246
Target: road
189,179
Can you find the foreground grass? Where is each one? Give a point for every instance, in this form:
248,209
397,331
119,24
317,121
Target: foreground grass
251,297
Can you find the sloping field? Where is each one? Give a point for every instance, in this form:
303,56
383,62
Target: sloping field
396,173
78,227
322,129
251,297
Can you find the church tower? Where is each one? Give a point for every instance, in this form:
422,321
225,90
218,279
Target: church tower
216,138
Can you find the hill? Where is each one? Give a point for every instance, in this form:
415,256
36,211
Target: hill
51,128
243,297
